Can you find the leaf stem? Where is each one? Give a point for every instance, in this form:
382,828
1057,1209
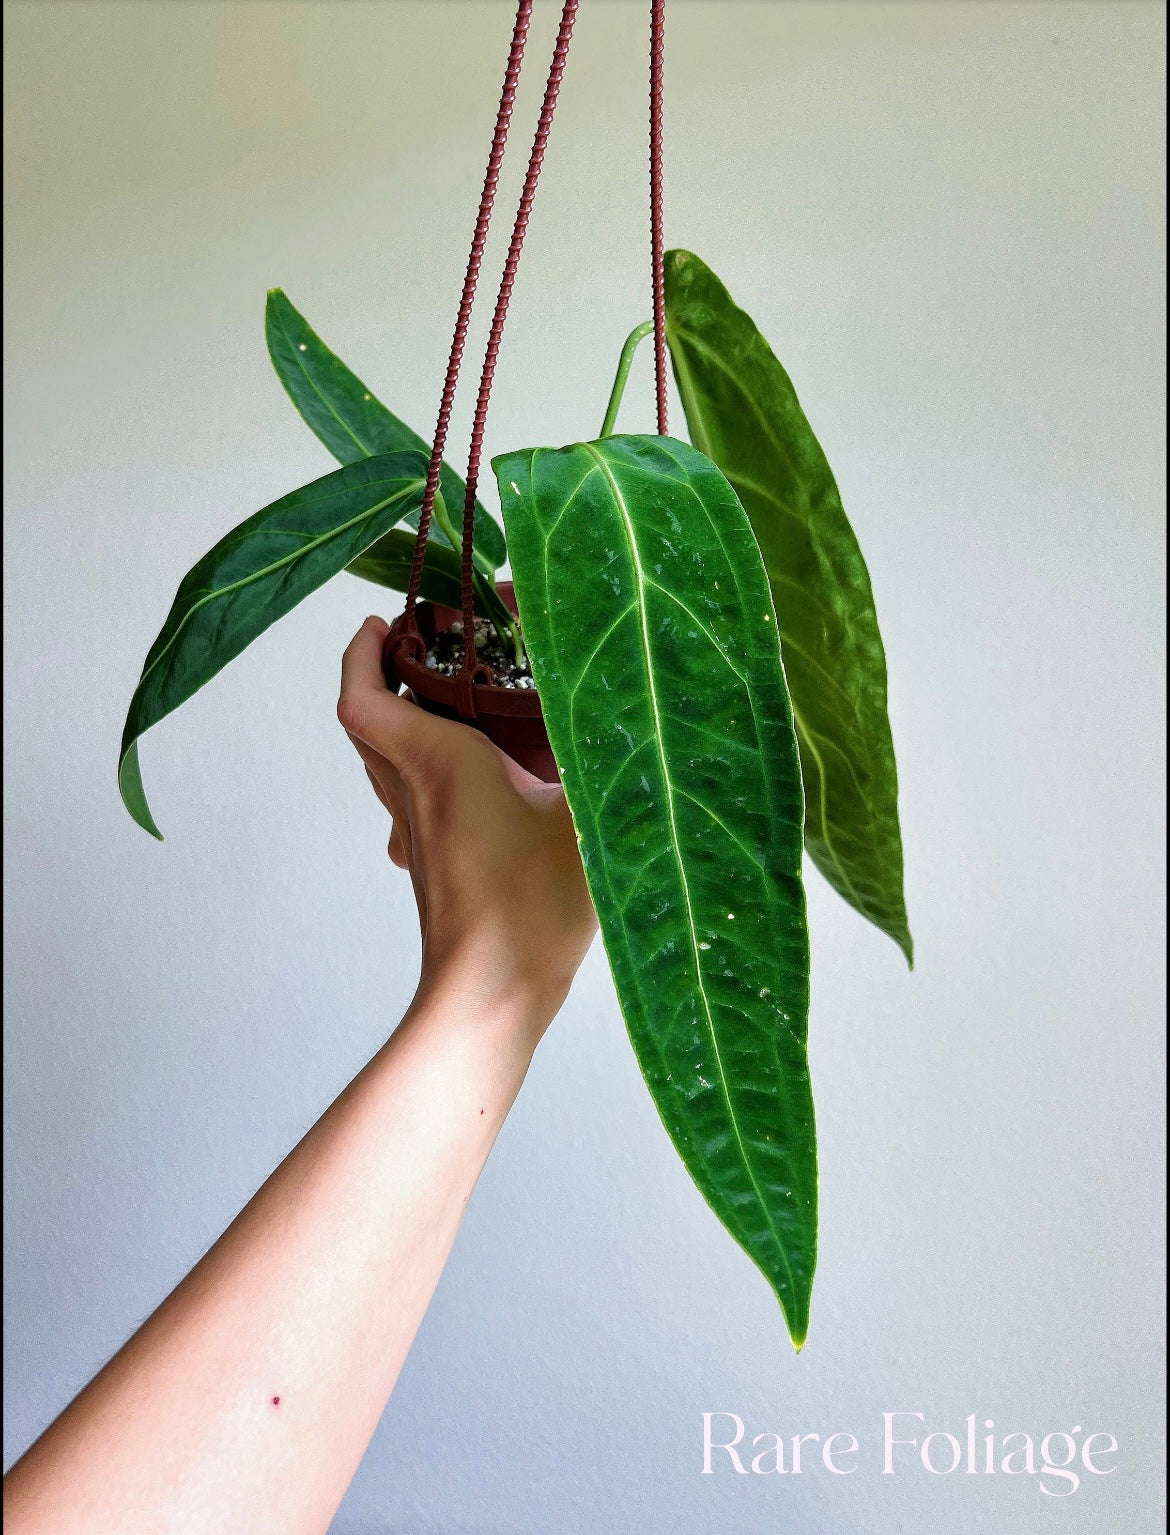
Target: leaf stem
639,333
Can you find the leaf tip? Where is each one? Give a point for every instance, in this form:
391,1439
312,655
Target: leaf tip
132,792
797,1330
794,1308
142,816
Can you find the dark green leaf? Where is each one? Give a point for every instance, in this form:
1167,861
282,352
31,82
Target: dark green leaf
651,632
353,424
743,412
388,563
254,576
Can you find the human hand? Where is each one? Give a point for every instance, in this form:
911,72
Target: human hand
491,850
246,1400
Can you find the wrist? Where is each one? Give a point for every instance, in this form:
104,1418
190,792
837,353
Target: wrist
509,1009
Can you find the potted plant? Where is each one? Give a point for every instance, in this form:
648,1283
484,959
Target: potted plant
689,643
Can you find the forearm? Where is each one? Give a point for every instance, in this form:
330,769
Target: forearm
248,1398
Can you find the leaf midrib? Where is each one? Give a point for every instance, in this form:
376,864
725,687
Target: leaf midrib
677,852
297,554
735,477
298,358
822,811
684,368
718,362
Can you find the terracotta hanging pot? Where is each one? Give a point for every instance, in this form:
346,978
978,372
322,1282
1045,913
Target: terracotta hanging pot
511,717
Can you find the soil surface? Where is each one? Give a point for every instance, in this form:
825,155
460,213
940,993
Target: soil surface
446,655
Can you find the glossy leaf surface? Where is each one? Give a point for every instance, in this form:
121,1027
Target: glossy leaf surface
254,576
650,628
743,412
351,422
388,563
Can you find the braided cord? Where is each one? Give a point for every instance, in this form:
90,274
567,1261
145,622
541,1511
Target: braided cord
471,278
657,29
471,668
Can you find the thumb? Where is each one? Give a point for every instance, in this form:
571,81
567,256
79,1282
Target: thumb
368,709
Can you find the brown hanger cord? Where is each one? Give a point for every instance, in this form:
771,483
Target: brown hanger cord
657,28
473,669
410,632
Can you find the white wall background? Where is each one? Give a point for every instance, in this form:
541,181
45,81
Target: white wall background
947,219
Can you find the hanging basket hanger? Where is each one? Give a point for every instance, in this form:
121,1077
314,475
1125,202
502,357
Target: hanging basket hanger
409,638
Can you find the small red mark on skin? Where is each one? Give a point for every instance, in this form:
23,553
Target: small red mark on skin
481,1111
276,1401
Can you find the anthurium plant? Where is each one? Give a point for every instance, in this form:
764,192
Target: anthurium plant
698,623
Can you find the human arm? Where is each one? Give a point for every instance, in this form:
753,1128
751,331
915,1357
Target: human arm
247,1400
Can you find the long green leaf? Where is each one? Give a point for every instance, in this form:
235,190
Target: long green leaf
353,424
256,575
743,412
652,637
388,563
